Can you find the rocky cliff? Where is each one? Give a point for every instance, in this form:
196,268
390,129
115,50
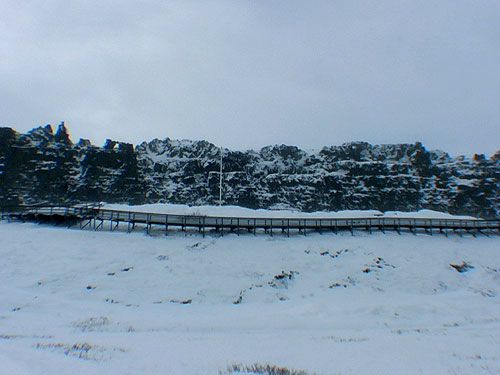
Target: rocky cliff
43,166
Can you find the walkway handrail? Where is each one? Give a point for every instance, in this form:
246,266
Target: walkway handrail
302,224
353,219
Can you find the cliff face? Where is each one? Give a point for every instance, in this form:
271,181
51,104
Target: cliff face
42,166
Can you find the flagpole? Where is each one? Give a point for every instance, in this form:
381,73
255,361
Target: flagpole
220,179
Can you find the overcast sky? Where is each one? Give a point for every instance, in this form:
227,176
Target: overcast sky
248,73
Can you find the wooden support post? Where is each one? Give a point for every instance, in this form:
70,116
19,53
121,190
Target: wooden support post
443,229
100,225
203,227
89,223
254,226
238,227
498,231
222,227
166,225
474,231
288,227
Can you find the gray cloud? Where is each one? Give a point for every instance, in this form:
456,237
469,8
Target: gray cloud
245,74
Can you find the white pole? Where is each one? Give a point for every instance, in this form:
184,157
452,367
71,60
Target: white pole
220,179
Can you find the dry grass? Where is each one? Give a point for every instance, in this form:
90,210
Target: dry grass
81,350
259,369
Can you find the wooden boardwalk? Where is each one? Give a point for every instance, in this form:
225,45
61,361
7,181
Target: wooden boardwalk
94,217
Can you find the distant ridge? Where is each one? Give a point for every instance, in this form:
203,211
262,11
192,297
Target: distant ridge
43,166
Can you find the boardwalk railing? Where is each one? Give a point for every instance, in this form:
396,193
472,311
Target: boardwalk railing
94,217
49,213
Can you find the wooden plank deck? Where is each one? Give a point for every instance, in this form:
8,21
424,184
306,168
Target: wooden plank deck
96,218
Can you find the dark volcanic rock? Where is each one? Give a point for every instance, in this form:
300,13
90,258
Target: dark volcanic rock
41,166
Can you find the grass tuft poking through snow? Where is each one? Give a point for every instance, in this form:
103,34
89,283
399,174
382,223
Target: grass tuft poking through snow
83,350
259,369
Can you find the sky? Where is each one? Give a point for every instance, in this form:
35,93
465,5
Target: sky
248,73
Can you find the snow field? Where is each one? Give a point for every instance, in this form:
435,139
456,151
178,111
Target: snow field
83,302
236,211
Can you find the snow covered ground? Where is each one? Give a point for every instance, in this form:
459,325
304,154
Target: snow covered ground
236,211
84,302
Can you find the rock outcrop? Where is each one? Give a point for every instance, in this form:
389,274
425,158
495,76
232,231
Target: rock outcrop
41,166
